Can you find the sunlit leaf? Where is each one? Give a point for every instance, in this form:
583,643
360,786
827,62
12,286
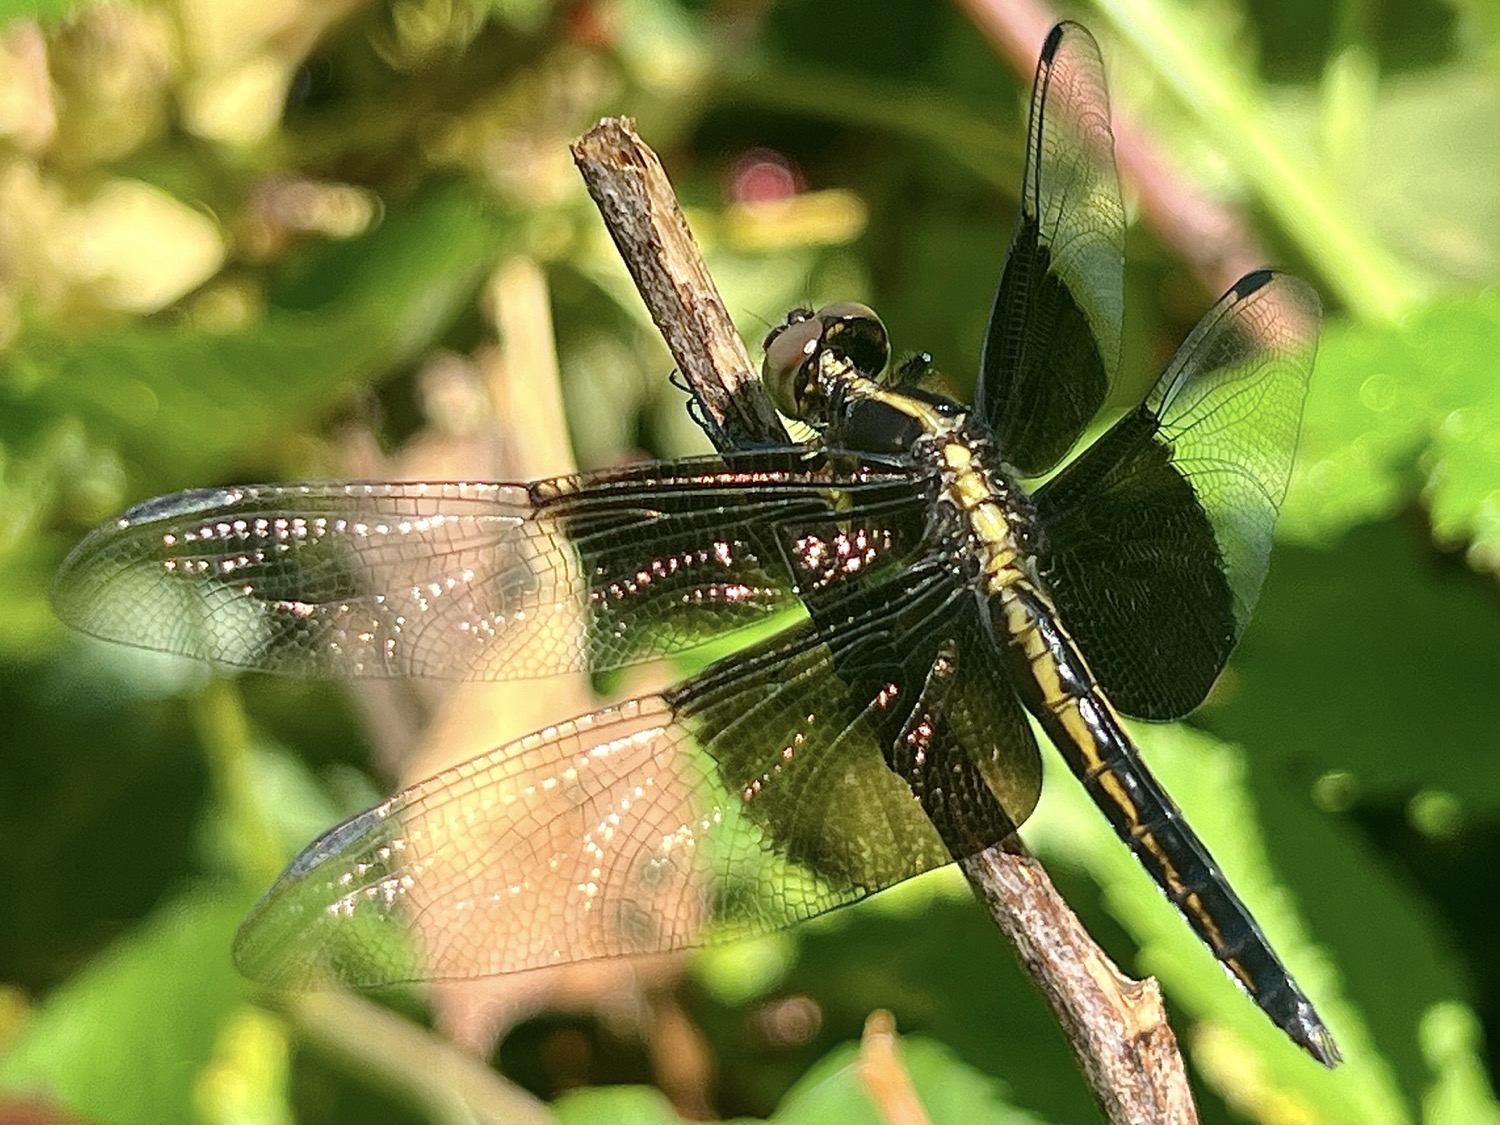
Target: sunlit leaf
1354,654
1317,893
947,1088
181,402
1397,411
126,1039
615,1105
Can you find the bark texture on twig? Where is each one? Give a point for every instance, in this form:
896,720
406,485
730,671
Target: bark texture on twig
1116,1026
639,208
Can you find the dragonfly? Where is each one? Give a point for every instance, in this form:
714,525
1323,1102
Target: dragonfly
909,608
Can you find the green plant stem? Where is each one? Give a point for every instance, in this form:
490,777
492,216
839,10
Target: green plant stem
219,716
1372,282
408,1061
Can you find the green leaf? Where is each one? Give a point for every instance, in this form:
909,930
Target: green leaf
1390,407
1317,894
1394,960
1425,169
130,1037
1208,781
1193,60
50,10
184,402
626,1105
927,952
1351,666
948,1088
1452,1040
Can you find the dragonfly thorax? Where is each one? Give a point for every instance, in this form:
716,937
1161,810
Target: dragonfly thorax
999,526
823,368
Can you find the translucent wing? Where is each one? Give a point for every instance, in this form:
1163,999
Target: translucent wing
488,581
1053,340
834,760
1158,536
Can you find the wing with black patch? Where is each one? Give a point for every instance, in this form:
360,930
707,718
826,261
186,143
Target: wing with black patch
490,581
837,758
1053,340
1158,536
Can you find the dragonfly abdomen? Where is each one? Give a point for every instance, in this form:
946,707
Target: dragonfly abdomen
1056,686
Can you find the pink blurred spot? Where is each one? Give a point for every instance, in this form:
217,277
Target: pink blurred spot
761,175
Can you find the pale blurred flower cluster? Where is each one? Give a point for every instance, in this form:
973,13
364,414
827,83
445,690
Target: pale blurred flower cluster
116,125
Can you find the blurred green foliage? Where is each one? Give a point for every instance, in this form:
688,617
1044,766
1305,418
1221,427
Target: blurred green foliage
246,241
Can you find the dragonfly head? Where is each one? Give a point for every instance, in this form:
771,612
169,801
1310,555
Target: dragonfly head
793,370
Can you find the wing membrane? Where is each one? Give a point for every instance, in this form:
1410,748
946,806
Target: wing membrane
1159,534
488,581
1053,340
889,704
764,791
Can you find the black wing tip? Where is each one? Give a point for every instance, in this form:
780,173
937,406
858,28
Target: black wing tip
1299,294
1256,280
1253,281
176,505
1061,30
1055,38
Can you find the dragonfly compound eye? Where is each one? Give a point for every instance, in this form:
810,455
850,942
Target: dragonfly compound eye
850,332
853,332
790,368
